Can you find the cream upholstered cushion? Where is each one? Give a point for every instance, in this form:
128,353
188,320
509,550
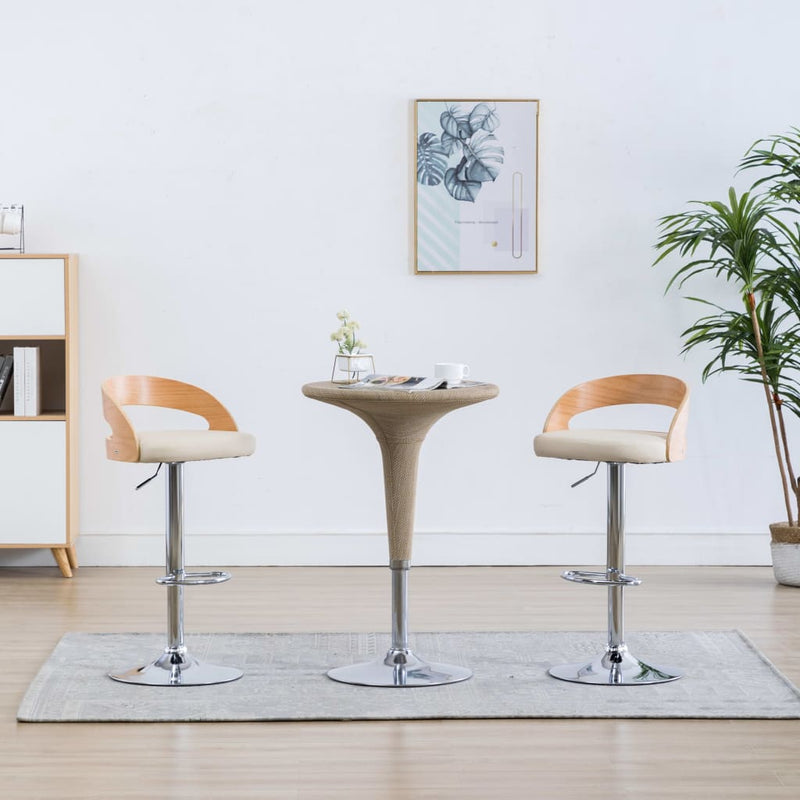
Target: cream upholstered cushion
624,447
193,445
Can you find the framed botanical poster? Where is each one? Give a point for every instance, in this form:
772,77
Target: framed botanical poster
475,200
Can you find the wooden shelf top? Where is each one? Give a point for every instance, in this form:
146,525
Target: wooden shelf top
47,416
33,337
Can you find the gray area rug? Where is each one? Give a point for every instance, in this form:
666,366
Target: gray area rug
726,677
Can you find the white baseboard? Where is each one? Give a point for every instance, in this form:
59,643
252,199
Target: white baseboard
430,549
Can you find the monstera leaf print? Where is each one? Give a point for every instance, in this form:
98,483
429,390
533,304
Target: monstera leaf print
455,123
483,116
459,185
469,135
431,160
484,155
451,144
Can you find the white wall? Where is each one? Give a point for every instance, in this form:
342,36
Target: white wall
232,174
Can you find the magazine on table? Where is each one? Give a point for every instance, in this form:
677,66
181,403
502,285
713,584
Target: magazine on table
407,383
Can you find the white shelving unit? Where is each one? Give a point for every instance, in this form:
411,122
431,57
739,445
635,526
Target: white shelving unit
39,455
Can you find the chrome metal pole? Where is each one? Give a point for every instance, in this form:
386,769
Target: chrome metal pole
399,604
175,666
175,562
616,666
615,554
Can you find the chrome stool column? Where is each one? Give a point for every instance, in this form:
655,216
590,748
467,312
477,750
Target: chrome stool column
616,665
176,666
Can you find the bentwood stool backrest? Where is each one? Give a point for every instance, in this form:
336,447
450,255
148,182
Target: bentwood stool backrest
125,444
558,440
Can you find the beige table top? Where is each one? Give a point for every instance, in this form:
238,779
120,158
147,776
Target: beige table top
400,420
326,391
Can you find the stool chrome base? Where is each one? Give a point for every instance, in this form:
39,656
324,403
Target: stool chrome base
400,668
615,667
177,669
175,666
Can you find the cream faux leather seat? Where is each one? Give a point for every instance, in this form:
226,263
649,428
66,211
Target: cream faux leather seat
617,448
164,446
222,439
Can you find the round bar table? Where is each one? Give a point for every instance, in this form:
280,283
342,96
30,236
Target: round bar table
400,420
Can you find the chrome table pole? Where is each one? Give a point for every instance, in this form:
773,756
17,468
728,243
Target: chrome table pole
400,667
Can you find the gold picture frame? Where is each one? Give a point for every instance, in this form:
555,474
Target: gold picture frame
476,189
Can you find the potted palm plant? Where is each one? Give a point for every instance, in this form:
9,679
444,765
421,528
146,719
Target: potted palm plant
752,242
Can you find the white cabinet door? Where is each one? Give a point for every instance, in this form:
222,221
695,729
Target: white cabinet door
33,296
33,482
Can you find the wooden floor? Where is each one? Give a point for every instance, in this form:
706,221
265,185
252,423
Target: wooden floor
469,759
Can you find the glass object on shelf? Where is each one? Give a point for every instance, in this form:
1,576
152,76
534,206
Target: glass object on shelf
12,223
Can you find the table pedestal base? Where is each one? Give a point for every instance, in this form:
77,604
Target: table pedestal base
400,668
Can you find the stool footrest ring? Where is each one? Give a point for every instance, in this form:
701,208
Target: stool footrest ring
194,578
600,578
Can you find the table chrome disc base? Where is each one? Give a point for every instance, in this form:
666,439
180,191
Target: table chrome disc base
177,669
400,668
615,667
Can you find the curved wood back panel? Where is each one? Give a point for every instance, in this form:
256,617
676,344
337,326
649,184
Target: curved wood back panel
663,390
145,390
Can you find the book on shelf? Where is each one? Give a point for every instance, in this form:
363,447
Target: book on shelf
19,381
33,390
27,388
6,371
407,383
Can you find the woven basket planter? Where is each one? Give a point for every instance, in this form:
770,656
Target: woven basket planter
785,553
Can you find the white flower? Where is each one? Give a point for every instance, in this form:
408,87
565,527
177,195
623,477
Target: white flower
345,336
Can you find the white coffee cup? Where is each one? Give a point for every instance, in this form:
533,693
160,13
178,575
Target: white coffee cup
451,372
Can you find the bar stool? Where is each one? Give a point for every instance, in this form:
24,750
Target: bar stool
616,666
222,439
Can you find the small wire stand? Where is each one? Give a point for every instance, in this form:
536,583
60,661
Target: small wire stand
348,367
12,223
